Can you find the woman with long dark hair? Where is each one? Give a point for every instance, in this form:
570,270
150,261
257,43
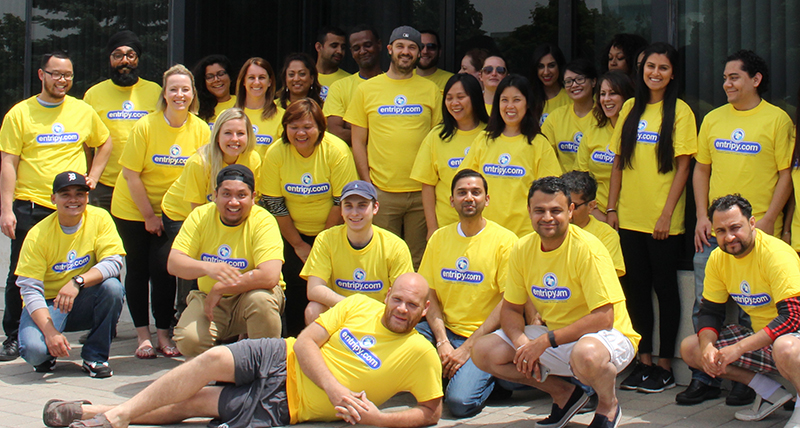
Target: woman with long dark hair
256,88
214,91
300,80
594,153
443,150
548,70
511,154
653,148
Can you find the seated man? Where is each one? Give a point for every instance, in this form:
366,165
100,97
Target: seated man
236,251
762,275
68,274
357,257
569,276
465,264
359,352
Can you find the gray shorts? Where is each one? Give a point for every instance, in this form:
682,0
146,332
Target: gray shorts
258,399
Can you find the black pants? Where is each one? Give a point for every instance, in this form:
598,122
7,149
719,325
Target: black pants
652,265
101,196
296,297
185,286
28,214
146,262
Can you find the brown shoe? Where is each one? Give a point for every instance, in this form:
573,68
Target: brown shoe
99,421
61,413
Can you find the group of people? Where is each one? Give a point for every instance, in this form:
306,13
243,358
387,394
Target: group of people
342,209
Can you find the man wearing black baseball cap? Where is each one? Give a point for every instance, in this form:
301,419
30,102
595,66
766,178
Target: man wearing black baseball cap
68,275
235,251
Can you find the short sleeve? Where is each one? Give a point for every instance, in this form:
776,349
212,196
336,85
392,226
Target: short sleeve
267,241
503,256
133,156
107,243
356,113
270,182
784,144
319,261
399,260
424,169
32,261
515,291
548,164
475,154
333,319
343,168
100,132
436,109
703,144
11,134
195,178
186,241
334,103
713,285
598,277
784,273
685,136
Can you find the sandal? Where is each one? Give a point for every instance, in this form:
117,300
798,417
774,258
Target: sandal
61,413
145,353
99,421
169,351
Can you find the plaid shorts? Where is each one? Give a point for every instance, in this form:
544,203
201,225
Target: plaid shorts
759,361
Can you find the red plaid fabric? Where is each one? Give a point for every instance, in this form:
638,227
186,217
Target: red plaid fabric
759,361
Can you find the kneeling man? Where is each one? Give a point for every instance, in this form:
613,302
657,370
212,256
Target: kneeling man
353,357
236,251
570,278
762,275
68,275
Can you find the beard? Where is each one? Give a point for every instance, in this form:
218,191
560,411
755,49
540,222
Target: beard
433,63
124,79
402,69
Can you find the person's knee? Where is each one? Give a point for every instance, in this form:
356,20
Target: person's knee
33,350
786,350
112,291
190,336
588,357
690,351
462,406
263,313
487,353
313,311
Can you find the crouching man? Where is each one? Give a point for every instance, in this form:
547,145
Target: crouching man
762,275
570,278
68,274
355,356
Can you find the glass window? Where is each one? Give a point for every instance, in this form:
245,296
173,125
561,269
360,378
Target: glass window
12,53
599,20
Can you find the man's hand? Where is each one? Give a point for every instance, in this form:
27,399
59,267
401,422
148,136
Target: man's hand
453,360
712,360
527,356
223,273
702,231
728,355
153,225
766,226
302,250
347,403
66,297
212,300
8,223
367,412
57,345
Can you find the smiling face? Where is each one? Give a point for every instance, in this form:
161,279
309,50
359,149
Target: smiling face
736,234
513,106
550,215
70,202
219,83
578,91
617,60
429,57
610,101
232,138
490,76
406,303
740,88
332,52
658,72
54,90
298,79
548,71
404,54
358,212
178,92
365,49
469,197
458,103
303,134
256,81
234,200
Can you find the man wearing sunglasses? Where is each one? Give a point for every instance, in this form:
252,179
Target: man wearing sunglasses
120,101
41,137
427,66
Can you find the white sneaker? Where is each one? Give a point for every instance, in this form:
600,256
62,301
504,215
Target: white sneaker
764,407
794,421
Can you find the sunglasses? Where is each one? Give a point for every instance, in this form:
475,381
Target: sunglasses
489,69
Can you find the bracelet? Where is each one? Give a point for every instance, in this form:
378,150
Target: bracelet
552,337
610,210
438,344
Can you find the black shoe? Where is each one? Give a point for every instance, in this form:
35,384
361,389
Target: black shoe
658,380
740,395
45,367
97,370
590,406
696,393
500,393
601,421
560,417
10,350
638,375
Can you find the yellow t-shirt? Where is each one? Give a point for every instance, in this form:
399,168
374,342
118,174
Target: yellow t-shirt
267,131
340,94
489,109
796,216
48,142
610,238
595,156
756,282
363,355
510,166
193,185
468,273
561,99
158,152
326,80
119,108
568,283
220,108
53,257
746,149
399,114
439,77
308,184
437,163
565,131
369,271
644,190
205,237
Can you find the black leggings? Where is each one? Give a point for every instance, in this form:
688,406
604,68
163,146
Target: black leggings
652,264
146,261
296,297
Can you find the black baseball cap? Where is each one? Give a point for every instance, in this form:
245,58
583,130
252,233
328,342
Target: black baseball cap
69,178
239,173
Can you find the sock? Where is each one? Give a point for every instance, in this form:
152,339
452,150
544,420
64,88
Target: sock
797,403
763,385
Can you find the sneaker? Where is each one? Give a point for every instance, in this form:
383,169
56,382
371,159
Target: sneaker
659,380
590,406
764,407
601,421
45,367
97,370
560,417
696,393
10,350
740,395
640,373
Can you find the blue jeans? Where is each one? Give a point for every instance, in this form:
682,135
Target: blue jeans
470,387
95,309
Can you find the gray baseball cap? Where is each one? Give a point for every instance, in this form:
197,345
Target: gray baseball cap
406,32
361,188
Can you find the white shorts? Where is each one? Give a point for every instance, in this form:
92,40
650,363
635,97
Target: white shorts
620,349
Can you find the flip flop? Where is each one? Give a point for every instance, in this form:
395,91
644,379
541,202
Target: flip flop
145,353
61,413
169,351
99,421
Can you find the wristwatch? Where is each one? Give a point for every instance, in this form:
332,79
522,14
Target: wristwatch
79,280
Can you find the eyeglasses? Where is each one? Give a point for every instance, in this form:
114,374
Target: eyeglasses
489,69
57,75
580,204
119,55
430,46
579,80
218,75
